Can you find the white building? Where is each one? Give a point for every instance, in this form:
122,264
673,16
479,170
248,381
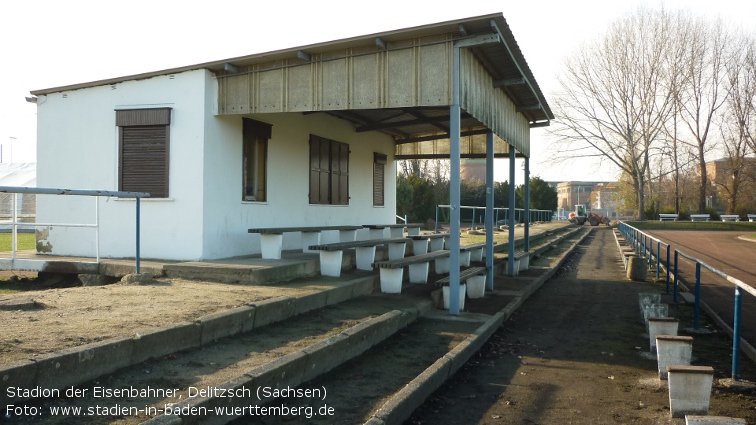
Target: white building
299,137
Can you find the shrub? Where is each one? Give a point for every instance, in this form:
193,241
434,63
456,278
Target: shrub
714,214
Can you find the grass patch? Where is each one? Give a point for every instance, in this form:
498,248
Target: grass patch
694,225
25,241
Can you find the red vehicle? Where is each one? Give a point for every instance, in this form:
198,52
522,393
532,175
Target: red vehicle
579,217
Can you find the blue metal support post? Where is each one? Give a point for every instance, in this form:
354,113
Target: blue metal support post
138,270
511,215
454,186
674,297
697,310
667,269
527,205
489,210
736,334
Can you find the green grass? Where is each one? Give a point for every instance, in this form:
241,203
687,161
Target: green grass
694,225
25,241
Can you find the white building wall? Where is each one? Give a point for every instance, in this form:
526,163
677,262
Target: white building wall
227,217
78,149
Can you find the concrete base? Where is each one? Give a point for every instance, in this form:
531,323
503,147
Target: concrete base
418,273
672,350
655,310
661,326
413,231
396,250
443,265
476,255
437,244
309,239
364,257
516,268
476,286
420,247
347,235
377,233
713,420
647,298
330,263
397,232
689,390
637,268
462,291
525,262
270,245
464,259
391,280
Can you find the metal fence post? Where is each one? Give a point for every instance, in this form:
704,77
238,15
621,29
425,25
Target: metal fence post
436,229
674,298
138,270
667,267
658,262
736,334
697,311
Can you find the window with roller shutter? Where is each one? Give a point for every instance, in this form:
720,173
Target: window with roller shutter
379,165
329,171
143,139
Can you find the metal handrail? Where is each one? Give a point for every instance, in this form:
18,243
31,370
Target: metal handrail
638,239
15,224
739,287
535,215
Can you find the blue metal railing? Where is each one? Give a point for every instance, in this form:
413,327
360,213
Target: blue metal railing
643,243
15,224
535,215
640,244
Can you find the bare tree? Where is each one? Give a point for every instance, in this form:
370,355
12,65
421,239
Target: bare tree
703,88
614,100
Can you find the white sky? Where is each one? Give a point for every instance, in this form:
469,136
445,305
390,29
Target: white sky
50,43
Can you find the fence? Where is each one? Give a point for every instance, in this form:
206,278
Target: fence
16,223
535,215
631,232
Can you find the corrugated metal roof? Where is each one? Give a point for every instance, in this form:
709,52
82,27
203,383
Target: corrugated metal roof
502,63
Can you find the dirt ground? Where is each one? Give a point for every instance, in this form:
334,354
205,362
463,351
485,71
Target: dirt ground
573,354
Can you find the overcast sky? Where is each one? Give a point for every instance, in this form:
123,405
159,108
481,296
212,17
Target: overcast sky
53,43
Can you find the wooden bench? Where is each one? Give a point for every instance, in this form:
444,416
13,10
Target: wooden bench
729,217
436,240
395,230
392,271
664,217
700,217
464,275
271,238
468,253
331,254
751,217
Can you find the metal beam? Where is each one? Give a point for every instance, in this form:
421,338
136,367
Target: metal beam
446,156
462,30
438,137
406,123
527,205
304,56
533,107
229,67
540,124
478,40
380,43
454,186
509,82
511,215
490,210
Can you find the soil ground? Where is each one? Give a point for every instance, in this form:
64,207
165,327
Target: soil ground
574,354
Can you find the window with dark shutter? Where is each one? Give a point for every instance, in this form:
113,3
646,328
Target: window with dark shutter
255,152
329,171
379,163
144,150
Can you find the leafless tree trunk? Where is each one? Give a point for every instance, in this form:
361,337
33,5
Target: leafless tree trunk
614,102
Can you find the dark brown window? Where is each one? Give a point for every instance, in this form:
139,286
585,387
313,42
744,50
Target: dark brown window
329,171
143,139
379,165
256,135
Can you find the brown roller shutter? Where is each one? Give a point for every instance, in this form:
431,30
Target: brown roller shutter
379,161
144,160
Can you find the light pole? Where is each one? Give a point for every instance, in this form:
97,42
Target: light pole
11,148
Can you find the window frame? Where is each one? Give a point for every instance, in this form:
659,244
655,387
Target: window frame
258,134
329,171
134,160
379,183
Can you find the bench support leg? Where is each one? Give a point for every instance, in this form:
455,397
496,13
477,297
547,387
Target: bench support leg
308,239
347,235
413,231
418,273
437,244
376,234
330,263
442,265
391,280
365,256
420,247
476,255
464,259
396,250
396,232
270,246
476,286
525,262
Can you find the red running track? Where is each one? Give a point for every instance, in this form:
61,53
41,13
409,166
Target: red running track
724,251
